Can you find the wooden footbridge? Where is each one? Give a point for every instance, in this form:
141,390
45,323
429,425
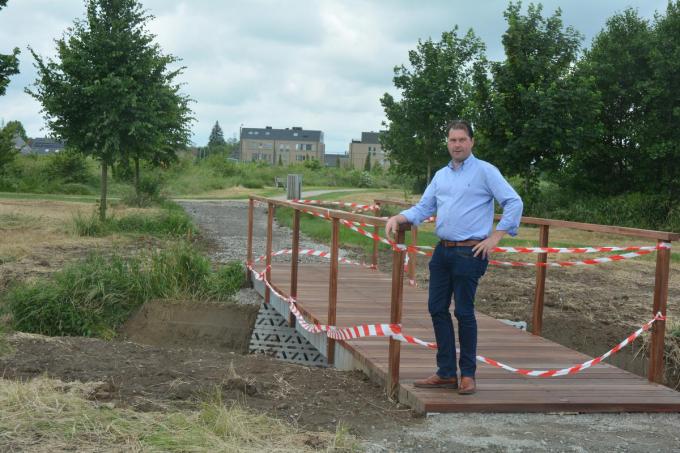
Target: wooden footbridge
345,295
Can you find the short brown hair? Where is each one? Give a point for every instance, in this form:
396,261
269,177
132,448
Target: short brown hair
462,125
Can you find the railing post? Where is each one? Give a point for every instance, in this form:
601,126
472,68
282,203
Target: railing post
294,262
376,230
249,253
539,292
333,289
392,384
413,255
656,365
268,258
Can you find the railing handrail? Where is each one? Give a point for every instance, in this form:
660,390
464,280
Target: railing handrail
593,227
332,213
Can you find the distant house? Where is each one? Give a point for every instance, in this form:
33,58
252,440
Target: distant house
20,145
289,145
331,160
38,146
45,145
369,144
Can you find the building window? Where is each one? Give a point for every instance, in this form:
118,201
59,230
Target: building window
308,147
299,157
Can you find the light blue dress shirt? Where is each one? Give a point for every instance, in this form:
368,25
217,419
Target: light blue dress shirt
462,199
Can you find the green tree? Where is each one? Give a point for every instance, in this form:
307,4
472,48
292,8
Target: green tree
109,93
216,136
619,64
658,169
7,150
436,88
539,112
9,64
280,161
16,128
367,162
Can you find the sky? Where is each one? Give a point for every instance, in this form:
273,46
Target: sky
319,64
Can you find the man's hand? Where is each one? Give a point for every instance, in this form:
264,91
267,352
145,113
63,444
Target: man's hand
392,224
484,248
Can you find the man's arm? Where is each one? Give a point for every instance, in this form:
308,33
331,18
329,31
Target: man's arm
426,207
512,205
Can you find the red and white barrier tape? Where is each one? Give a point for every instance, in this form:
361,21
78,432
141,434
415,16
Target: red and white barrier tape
342,204
606,259
581,366
394,331
651,248
343,333
635,251
311,252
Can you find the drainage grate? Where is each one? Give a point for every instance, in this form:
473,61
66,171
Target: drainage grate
272,336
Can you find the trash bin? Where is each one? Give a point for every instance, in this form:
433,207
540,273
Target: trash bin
294,187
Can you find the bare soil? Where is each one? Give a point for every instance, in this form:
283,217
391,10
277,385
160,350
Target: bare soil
151,378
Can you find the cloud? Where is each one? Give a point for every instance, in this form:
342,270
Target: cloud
318,64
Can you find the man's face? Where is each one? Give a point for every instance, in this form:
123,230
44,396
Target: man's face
459,145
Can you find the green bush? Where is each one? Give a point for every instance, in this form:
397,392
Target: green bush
634,209
148,193
69,166
171,221
94,297
252,183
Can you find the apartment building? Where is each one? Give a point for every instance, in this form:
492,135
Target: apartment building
369,144
287,146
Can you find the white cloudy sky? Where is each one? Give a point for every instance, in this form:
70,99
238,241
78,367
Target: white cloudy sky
319,64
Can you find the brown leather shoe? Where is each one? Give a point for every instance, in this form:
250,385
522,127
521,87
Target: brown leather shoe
467,386
435,382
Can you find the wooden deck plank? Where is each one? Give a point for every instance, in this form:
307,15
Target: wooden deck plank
363,298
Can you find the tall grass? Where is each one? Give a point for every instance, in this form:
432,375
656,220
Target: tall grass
170,221
95,296
58,417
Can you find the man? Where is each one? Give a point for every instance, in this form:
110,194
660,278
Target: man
462,196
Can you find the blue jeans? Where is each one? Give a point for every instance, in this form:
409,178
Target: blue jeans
455,271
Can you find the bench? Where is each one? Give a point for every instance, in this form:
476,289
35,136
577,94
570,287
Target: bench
280,181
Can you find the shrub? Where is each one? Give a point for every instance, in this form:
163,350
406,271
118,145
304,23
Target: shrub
171,221
148,193
251,183
69,166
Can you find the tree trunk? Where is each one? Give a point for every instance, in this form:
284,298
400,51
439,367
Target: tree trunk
137,177
102,199
429,170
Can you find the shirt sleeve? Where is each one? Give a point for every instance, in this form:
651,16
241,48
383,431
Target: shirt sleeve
508,198
425,208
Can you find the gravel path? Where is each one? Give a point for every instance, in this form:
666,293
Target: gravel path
225,223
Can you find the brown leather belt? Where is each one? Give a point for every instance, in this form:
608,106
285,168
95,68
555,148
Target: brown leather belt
468,243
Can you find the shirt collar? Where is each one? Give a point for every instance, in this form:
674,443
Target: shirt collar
466,163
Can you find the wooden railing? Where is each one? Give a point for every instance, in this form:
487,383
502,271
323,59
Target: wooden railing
663,255
396,298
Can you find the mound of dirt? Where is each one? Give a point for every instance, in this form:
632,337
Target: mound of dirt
196,325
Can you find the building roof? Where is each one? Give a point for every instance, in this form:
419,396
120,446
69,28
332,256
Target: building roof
292,134
370,137
331,160
44,145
